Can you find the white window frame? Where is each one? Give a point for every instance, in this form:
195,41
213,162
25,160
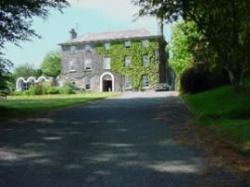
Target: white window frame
106,63
88,64
87,82
87,47
145,60
73,49
127,83
145,43
127,61
127,43
71,66
107,45
143,81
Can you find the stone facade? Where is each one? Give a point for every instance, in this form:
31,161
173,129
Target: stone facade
88,70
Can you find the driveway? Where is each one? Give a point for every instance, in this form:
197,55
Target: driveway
118,142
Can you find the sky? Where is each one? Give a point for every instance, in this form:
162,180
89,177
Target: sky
85,16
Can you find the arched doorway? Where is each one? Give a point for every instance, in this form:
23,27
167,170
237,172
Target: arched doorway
107,82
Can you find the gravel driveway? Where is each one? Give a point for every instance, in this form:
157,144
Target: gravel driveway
118,142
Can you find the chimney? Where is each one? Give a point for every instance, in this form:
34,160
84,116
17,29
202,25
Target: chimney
73,34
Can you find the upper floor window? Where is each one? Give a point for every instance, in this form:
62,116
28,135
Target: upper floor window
87,64
87,47
145,61
145,81
145,43
127,61
107,63
72,66
73,49
107,45
128,84
127,44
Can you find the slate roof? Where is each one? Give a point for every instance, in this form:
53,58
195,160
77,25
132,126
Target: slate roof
109,36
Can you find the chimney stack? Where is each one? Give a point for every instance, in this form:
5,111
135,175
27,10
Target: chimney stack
73,34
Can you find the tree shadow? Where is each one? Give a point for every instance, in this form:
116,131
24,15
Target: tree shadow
115,142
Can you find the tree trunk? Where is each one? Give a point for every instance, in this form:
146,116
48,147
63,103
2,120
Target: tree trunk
237,79
162,55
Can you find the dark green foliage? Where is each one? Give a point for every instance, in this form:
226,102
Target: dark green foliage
200,78
51,65
224,26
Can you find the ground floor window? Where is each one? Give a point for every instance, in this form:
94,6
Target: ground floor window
145,81
128,84
87,84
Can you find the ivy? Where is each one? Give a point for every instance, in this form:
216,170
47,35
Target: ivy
136,70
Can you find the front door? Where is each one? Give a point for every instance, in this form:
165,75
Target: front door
107,85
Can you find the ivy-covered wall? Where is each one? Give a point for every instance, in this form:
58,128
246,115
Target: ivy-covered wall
136,70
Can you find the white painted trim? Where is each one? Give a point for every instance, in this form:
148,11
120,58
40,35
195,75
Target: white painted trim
29,80
101,81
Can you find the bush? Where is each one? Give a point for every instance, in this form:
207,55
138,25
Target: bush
68,88
200,78
36,90
52,90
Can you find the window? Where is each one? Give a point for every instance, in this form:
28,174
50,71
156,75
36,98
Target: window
87,84
145,43
145,81
87,47
107,63
128,84
145,61
71,66
127,44
73,49
87,64
127,61
107,45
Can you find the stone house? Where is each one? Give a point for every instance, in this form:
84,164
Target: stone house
111,61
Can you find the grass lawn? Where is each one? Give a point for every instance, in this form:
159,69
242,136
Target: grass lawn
226,113
25,106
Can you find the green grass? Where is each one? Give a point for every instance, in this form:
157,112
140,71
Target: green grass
26,106
226,112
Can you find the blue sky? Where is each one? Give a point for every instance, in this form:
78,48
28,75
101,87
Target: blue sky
85,16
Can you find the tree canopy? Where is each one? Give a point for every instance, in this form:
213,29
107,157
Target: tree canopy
15,25
224,25
51,65
25,71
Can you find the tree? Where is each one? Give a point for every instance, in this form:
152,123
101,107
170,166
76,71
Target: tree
25,71
51,65
224,25
16,20
182,58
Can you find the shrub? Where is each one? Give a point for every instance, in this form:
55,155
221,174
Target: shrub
52,90
200,78
68,88
35,90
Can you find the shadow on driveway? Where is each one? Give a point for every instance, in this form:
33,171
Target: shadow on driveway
112,143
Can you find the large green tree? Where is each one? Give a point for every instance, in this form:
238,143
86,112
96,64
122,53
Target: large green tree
225,26
16,20
51,65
